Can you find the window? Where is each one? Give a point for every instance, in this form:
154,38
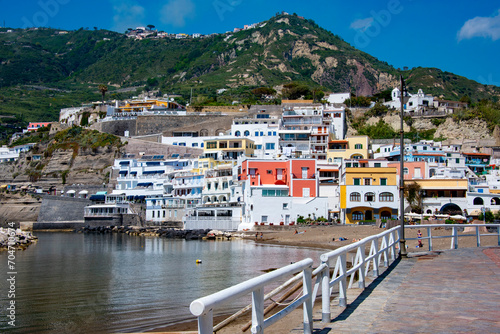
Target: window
357,182
269,171
348,164
358,146
274,132
195,145
386,197
247,133
377,164
406,171
368,182
237,133
357,215
153,214
457,160
262,133
270,146
222,144
211,144
304,172
369,197
355,197
285,206
258,147
478,201
264,219
256,133
270,192
383,182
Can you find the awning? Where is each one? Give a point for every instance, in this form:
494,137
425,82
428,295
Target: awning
98,198
83,192
70,192
123,172
124,163
153,172
101,193
145,184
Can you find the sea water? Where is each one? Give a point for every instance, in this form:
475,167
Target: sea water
92,283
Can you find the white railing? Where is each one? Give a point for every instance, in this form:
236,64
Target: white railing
454,233
204,307
386,248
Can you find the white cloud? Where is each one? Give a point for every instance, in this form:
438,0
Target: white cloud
127,14
488,27
175,12
362,24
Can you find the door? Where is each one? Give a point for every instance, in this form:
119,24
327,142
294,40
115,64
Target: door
306,192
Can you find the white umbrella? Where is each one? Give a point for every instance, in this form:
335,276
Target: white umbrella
458,217
442,216
412,215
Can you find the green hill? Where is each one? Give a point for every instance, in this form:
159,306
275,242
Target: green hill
43,70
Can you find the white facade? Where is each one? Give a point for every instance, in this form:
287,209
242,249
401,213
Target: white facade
417,102
70,115
265,136
337,120
338,98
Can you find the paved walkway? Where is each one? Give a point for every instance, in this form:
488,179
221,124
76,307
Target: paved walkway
455,291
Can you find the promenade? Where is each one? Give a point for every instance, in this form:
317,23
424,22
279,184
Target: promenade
453,291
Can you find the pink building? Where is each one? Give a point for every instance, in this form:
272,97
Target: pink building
33,126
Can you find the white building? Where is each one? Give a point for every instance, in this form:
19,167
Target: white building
417,102
338,98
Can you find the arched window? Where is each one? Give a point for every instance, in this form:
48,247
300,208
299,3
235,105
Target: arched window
357,215
386,197
237,133
355,197
358,146
495,201
369,197
247,133
406,171
385,215
478,201
357,156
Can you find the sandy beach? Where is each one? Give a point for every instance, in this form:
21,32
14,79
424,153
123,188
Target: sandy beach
323,237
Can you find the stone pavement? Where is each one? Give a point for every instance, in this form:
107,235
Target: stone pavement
454,291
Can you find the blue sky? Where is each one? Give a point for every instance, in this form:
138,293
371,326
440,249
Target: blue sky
458,36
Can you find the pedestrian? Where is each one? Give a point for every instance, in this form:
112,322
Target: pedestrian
261,235
419,237
256,235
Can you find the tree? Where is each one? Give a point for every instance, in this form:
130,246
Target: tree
414,195
150,27
294,91
261,91
103,89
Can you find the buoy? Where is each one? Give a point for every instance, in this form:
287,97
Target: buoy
198,261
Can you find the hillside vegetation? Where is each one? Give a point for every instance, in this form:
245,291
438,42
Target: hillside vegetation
44,70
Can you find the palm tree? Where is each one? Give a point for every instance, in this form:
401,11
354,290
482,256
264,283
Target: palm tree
103,89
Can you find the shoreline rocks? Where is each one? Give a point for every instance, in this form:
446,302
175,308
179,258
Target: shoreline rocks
151,231
15,238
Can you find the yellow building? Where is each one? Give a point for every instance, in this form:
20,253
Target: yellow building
368,194
228,148
353,147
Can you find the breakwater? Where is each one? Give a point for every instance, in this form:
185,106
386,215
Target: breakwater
149,231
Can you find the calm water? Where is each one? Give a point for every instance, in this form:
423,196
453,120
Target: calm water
76,283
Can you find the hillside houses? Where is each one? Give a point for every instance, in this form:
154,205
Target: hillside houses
298,164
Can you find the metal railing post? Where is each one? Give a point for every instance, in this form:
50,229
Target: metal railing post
206,323
478,237
308,303
454,238
376,258
361,270
325,293
343,280
258,311
429,234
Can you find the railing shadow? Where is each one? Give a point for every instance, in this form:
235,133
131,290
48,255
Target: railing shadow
364,295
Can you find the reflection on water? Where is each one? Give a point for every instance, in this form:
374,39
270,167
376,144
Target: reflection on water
78,283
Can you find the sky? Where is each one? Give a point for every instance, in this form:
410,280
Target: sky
457,36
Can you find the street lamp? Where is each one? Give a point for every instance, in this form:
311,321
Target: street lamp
403,97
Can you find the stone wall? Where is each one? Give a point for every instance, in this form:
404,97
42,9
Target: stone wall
168,124
136,146
117,128
61,212
221,109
